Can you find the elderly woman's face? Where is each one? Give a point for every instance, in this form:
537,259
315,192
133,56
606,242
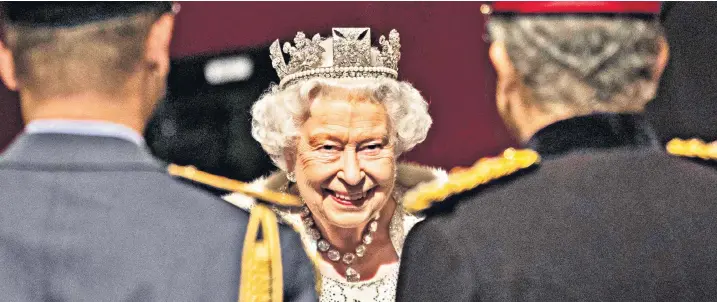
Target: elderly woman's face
344,162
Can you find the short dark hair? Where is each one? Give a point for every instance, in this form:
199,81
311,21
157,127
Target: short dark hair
96,56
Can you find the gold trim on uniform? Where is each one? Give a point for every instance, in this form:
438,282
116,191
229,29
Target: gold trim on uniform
261,269
273,197
463,179
692,148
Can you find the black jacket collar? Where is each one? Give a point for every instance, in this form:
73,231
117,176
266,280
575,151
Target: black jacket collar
591,132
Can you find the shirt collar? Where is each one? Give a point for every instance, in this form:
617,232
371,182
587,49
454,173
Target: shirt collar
85,127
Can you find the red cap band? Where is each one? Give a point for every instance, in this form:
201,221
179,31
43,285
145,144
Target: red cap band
576,7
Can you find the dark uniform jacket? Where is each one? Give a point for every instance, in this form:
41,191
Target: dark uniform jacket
87,218
606,216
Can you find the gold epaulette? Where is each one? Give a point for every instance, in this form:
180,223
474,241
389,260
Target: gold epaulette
692,148
464,179
261,268
191,173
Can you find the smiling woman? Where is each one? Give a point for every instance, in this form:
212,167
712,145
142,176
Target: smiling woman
344,160
335,126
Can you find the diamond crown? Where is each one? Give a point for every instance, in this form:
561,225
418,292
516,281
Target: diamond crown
349,55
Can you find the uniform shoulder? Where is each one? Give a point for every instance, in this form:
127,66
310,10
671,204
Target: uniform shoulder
227,184
461,180
262,254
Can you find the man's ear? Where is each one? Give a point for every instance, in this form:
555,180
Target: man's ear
662,57
500,59
157,43
506,76
7,67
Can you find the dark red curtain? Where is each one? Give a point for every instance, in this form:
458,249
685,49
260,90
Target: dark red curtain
10,120
443,54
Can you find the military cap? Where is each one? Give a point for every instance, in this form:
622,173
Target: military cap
67,14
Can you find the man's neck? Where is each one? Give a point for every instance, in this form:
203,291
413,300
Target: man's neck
86,107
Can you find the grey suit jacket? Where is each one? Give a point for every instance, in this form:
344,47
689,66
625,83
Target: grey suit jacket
97,219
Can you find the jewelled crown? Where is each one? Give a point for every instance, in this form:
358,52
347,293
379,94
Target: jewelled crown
350,55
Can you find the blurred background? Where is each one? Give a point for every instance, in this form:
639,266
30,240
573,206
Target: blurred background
220,66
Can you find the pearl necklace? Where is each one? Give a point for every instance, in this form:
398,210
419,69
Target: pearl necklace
333,254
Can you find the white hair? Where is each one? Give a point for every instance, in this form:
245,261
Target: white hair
589,62
278,114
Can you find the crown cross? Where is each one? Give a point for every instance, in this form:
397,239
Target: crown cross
352,56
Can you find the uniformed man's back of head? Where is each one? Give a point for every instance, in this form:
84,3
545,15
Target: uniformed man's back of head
554,66
110,59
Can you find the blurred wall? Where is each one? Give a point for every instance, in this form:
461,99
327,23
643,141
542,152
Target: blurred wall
443,55
10,120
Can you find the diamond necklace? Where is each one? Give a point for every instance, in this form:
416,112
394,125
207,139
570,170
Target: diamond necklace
334,255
